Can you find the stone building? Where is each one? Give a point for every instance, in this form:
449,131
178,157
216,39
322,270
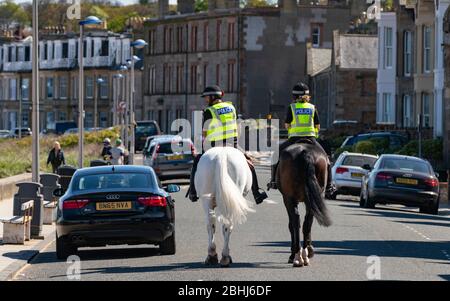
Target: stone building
343,80
104,53
255,54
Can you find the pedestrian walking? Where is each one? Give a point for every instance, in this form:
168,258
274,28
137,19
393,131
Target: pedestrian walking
117,153
56,157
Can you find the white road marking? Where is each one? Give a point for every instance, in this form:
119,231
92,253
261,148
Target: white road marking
271,202
417,232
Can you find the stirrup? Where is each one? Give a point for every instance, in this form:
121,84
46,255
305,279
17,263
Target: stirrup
272,185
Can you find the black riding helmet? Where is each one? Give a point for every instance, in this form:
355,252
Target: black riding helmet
213,91
300,89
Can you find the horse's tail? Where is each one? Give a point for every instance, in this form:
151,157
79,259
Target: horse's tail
313,198
231,203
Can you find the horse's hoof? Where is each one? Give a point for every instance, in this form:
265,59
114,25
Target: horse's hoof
305,257
310,251
226,261
291,258
212,260
297,264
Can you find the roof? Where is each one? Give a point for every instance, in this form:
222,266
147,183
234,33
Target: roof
360,154
355,51
402,157
319,59
109,169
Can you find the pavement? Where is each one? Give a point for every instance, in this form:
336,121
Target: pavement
15,257
387,243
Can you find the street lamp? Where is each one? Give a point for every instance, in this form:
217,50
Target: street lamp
35,95
88,21
100,81
118,77
23,87
138,44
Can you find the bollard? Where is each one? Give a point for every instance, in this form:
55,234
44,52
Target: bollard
30,191
65,172
98,163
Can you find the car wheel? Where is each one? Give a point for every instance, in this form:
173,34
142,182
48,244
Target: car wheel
433,208
361,199
64,249
168,246
333,196
369,203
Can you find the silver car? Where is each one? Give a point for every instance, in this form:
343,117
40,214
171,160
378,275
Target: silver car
170,156
348,172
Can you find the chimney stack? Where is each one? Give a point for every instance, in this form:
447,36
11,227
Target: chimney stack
186,6
163,8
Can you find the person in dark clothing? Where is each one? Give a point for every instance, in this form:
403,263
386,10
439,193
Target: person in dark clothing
56,157
106,151
220,129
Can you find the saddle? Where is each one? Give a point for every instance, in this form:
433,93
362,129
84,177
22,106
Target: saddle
304,141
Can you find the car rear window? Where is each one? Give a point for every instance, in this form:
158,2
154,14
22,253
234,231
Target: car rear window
405,165
359,161
113,181
174,147
148,129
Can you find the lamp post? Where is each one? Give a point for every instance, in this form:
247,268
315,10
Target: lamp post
35,96
117,77
138,44
100,81
88,21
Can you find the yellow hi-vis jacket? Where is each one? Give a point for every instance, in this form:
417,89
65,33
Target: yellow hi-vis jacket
223,124
302,124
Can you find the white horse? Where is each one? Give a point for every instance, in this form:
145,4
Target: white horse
223,179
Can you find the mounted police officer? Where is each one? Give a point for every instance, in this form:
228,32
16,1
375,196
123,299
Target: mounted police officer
220,128
303,124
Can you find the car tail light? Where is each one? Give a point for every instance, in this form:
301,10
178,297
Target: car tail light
153,201
75,204
432,182
383,176
341,170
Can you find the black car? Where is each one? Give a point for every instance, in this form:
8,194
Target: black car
143,130
113,205
395,140
401,180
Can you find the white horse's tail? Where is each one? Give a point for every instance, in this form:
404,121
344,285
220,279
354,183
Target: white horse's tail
232,205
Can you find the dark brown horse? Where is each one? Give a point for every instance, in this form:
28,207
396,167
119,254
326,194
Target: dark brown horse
301,177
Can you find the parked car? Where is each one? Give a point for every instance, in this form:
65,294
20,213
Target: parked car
348,172
114,205
170,156
71,131
395,140
405,180
4,134
143,130
62,126
14,133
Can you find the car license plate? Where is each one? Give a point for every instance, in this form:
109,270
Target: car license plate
357,175
176,157
105,206
406,181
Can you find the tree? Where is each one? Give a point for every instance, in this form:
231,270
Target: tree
201,5
11,12
257,3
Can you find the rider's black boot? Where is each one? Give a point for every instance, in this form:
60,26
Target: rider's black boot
192,192
330,189
258,193
273,183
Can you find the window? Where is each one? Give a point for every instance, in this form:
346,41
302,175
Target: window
151,41
89,120
84,48
387,98
25,119
104,87
92,48
169,78
74,87
25,89
426,110
152,79
103,119
27,53
62,116
218,33
407,55
165,40
164,78
89,87
65,50
205,73
171,48
407,111
194,70
218,74
231,27
12,89
316,35
105,48
63,86
50,120
179,39
230,86
50,88
427,49
12,120
45,52
194,38
388,47
179,78
205,36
